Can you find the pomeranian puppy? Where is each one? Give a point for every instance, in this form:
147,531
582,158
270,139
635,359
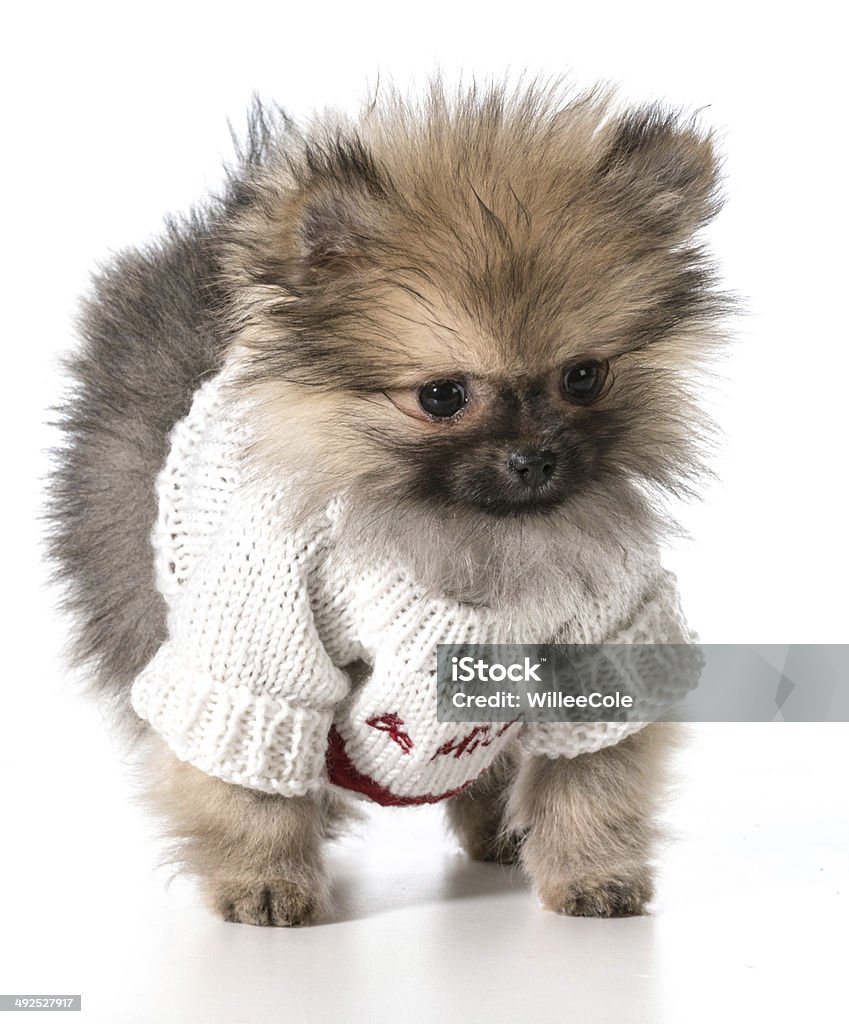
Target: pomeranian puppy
420,377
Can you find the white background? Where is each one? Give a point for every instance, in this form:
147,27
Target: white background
113,116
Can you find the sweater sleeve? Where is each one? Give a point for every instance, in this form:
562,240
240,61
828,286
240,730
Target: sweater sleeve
243,688
661,673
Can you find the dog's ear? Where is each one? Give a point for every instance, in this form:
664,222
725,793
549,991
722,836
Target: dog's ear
341,207
309,221
660,173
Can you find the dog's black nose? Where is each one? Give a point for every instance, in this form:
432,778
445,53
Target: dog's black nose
532,467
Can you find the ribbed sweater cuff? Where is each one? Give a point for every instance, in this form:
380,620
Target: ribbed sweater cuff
569,739
226,730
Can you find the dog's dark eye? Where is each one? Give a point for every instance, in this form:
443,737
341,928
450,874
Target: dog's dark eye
582,383
442,399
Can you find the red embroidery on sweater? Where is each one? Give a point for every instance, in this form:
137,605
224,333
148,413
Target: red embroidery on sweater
392,724
480,736
342,772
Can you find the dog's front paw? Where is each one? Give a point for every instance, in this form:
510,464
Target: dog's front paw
598,897
276,902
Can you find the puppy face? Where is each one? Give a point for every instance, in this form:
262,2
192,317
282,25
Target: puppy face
506,445
486,307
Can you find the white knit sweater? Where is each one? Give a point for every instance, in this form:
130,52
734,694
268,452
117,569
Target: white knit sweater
264,616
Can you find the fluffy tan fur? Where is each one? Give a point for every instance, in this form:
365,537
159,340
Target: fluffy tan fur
592,824
257,856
